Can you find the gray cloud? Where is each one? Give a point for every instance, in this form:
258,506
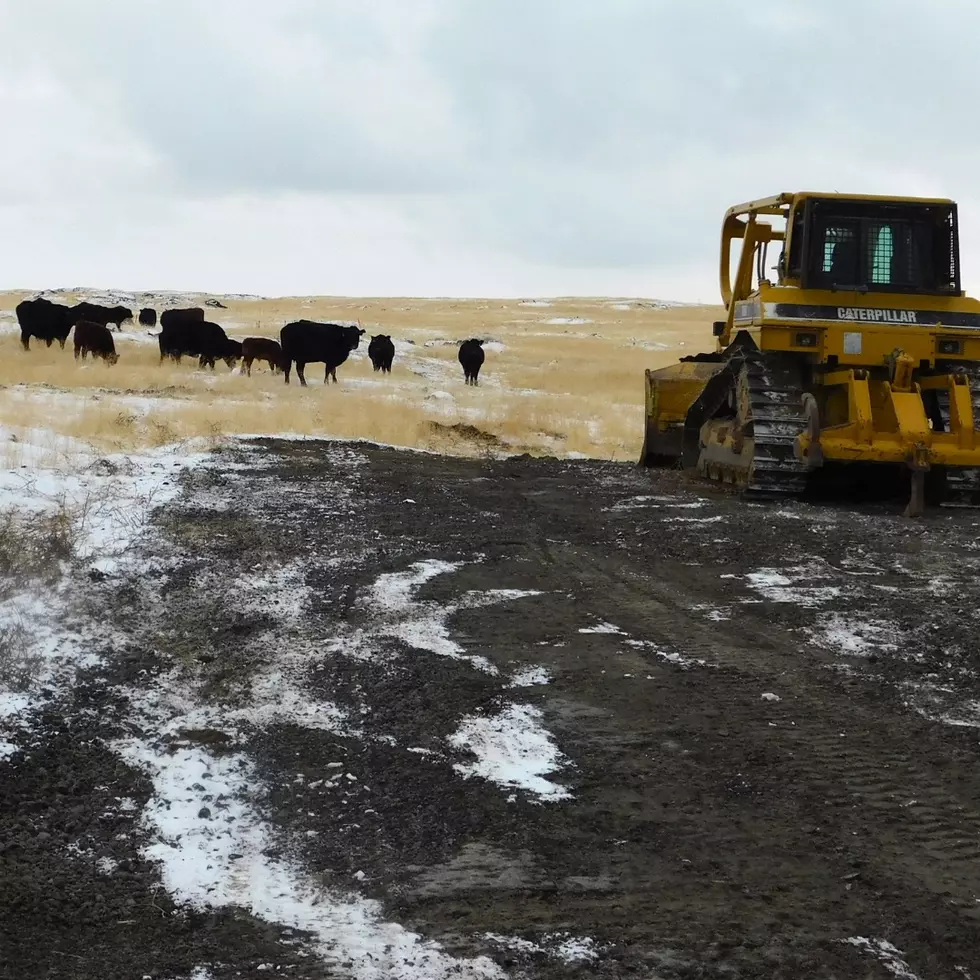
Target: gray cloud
594,138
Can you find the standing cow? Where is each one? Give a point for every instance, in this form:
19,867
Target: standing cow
471,357
306,342
179,330
95,339
44,320
382,352
95,313
261,349
148,317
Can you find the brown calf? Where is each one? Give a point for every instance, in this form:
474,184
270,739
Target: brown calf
261,349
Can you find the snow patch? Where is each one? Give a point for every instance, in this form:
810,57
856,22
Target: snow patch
423,625
635,503
782,585
282,591
669,656
889,956
211,857
529,677
512,749
106,865
567,320
560,945
852,636
603,628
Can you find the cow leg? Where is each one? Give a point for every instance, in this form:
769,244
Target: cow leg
247,364
333,374
300,372
61,340
78,350
48,342
286,368
25,339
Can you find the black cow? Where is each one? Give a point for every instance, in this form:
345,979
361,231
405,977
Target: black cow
230,351
148,317
95,339
306,342
471,356
197,338
105,315
192,314
178,334
381,351
45,320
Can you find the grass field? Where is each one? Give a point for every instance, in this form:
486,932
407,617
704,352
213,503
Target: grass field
562,376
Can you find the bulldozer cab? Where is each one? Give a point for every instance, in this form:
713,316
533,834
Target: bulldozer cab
871,246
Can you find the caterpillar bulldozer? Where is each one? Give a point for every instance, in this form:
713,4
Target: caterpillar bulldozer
863,350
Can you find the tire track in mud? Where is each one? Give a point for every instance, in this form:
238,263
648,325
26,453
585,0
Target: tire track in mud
838,752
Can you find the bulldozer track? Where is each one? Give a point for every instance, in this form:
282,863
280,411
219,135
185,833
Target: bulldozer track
778,418
773,418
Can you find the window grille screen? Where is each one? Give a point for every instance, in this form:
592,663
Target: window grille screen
883,246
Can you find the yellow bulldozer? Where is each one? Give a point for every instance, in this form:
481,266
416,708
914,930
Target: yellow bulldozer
864,350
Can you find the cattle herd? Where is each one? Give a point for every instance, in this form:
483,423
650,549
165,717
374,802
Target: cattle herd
187,333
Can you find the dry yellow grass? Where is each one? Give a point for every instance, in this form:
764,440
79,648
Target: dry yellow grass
573,385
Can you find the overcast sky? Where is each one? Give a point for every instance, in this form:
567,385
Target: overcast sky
459,147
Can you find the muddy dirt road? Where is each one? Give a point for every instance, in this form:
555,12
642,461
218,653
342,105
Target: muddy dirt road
356,712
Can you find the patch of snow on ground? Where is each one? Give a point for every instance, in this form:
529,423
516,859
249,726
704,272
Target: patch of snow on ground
941,704
282,592
670,656
567,320
106,504
529,677
781,585
421,624
108,501
208,861
534,302
889,956
512,749
634,503
852,636
560,946
603,628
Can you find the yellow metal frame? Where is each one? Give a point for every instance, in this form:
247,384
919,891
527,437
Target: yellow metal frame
887,421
